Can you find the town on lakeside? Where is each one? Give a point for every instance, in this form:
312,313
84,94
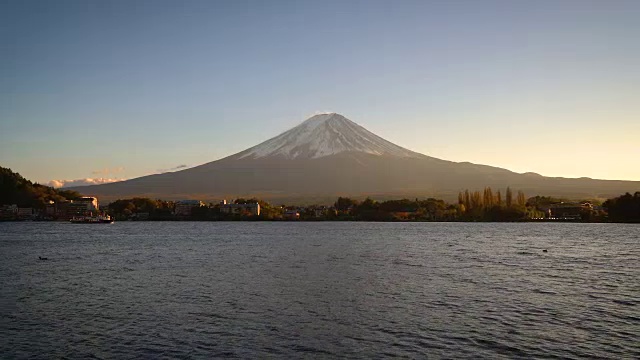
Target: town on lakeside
20,199
469,209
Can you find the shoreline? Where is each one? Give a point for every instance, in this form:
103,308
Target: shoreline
340,221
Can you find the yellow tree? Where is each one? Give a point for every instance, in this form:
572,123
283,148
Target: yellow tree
476,200
521,199
467,200
488,197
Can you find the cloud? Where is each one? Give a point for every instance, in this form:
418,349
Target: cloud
182,166
107,171
81,182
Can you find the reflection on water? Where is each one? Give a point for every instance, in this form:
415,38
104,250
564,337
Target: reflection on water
357,290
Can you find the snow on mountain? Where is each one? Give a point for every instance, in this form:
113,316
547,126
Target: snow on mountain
297,167
324,135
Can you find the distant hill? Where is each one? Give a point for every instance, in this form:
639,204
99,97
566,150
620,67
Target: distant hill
15,189
328,156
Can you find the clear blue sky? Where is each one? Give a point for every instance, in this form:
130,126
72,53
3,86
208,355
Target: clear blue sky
121,89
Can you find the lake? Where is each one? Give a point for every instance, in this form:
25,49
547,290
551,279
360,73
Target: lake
319,290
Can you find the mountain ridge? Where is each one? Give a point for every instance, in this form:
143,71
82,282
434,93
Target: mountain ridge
329,155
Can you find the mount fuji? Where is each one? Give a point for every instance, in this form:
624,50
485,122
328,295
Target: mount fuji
329,155
325,135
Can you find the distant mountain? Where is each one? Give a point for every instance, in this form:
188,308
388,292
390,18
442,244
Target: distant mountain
329,155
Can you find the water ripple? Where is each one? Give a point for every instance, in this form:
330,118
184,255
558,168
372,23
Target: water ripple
319,290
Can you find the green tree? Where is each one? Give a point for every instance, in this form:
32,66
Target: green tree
345,204
15,189
369,209
624,208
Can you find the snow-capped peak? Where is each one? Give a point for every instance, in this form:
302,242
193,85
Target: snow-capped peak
324,135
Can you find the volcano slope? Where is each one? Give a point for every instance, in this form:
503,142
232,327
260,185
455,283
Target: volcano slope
328,156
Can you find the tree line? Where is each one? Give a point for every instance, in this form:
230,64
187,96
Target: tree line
624,208
487,205
15,189
164,210
430,209
484,205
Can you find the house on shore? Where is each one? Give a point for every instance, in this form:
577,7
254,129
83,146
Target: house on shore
569,210
185,207
291,215
252,209
9,212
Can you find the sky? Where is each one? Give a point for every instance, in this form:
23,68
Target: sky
106,90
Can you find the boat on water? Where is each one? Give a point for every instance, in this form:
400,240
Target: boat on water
99,219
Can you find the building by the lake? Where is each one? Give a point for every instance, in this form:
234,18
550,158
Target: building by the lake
252,209
185,207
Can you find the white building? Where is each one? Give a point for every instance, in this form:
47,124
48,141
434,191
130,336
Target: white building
89,201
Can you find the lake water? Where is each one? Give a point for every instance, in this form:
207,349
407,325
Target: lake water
318,290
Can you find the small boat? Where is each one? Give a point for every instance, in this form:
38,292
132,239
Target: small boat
99,219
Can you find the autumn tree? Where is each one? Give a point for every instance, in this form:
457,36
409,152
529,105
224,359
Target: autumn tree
467,200
488,197
476,200
521,199
509,197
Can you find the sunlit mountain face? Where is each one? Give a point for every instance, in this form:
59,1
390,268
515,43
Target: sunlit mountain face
325,135
329,155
